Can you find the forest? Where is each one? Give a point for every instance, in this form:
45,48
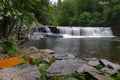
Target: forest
18,14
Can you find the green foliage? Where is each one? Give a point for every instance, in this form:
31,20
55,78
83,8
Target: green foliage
104,72
38,60
10,45
22,14
43,72
99,67
88,13
75,75
85,19
116,76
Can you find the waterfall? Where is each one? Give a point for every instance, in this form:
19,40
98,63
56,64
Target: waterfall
74,32
86,31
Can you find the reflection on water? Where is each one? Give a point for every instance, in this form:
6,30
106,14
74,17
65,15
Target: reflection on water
108,48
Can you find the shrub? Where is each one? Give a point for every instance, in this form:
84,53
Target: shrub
10,45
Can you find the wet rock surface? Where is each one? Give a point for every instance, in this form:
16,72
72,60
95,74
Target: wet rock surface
21,72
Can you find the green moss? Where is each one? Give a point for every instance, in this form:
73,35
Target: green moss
38,60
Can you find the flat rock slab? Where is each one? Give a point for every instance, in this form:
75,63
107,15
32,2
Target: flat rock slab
21,72
64,56
96,76
85,67
110,64
48,51
64,67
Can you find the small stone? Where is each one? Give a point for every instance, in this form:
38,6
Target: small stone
94,63
41,65
47,59
48,51
34,48
96,76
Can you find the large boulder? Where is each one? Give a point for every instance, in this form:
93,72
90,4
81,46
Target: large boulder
20,72
64,67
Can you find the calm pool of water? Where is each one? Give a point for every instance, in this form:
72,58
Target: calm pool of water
108,48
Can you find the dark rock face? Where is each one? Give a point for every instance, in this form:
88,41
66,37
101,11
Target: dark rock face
42,29
116,31
21,72
96,76
64,67
54,29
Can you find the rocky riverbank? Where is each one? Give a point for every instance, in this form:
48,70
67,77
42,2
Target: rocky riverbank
46,65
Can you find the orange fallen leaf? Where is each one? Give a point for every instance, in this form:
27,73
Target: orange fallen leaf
10,62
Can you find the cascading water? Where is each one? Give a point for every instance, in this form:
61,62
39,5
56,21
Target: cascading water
80,32
72,32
